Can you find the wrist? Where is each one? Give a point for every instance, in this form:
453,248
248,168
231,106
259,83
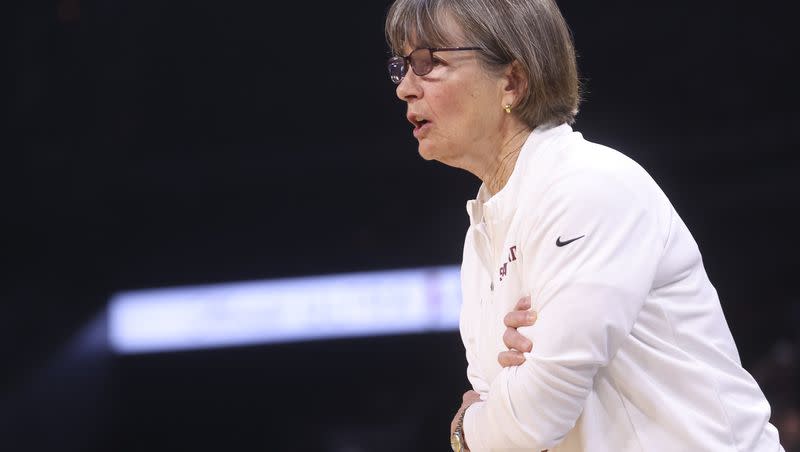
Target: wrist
460,429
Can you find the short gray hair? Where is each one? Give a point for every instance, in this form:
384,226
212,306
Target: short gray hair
531,32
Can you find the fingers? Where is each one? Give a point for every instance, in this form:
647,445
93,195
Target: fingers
520,316
510,358
470,396
514,340
516,319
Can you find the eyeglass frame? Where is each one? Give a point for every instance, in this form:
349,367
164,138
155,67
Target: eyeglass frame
407,60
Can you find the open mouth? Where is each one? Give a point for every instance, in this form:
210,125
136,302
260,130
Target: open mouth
420,127
420,122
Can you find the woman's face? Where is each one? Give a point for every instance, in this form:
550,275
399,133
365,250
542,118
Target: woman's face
456,109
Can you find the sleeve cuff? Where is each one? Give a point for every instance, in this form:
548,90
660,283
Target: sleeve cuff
474,419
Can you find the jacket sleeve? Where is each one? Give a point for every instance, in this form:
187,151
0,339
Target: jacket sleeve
478,382
587,293
476,378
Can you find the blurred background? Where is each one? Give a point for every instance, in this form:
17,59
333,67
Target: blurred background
162,144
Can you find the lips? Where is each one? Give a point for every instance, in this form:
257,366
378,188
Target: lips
420,123
421,130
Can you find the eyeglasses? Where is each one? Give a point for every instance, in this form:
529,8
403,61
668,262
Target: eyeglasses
420,60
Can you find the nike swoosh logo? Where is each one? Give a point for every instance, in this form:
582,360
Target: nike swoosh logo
560,243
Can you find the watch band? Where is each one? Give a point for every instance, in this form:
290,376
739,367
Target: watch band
460,429
460,425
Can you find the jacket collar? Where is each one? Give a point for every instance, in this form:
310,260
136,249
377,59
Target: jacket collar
486,208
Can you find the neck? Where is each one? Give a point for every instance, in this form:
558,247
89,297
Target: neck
500,167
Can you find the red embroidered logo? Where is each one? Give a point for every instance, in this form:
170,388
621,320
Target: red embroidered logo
512,256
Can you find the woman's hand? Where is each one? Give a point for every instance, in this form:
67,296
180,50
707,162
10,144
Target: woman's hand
517,343
467,399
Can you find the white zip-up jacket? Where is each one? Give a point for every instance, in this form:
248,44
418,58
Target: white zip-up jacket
631,350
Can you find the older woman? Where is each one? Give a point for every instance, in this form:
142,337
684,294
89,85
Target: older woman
631,349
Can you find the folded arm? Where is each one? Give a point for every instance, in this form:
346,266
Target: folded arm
587,294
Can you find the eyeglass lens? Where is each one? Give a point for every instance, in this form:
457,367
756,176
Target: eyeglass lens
397,69
421,62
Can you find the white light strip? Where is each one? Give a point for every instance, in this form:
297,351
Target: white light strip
258,312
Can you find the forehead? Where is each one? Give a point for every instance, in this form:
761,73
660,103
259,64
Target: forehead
421,29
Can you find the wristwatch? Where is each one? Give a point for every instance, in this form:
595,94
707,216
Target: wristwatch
457,438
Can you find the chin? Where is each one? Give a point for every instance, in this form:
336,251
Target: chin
428,152
426,156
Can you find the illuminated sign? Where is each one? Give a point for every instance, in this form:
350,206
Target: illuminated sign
296,309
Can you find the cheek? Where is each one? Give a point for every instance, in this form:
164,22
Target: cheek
444,106
458,113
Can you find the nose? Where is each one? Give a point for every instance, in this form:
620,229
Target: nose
409,87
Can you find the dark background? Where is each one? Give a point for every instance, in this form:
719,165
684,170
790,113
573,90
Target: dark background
159,143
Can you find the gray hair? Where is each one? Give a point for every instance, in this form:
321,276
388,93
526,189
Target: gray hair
531,32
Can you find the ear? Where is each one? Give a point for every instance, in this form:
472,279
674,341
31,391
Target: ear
514,83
